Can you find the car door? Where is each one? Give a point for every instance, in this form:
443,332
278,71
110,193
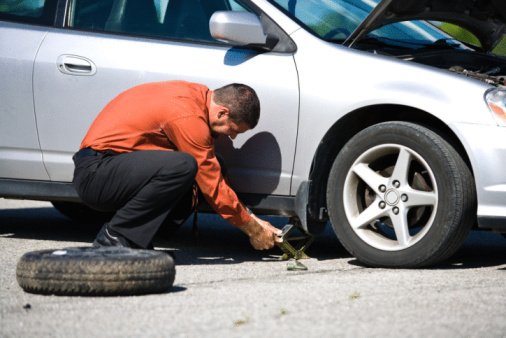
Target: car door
110,45
23,25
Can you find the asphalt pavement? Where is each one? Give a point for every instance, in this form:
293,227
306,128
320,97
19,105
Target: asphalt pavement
224,288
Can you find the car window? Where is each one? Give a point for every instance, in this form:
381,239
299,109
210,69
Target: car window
335,20
29,11
173,19
327,19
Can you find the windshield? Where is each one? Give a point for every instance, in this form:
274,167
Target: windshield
335,20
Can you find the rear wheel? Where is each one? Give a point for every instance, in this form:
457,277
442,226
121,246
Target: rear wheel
400,196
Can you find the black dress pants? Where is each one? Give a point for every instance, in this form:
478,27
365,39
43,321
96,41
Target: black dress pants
142,187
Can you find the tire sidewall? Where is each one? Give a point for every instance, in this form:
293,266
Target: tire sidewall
438,155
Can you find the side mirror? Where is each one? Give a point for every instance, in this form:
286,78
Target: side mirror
239,29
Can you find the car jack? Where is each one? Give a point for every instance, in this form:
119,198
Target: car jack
295,241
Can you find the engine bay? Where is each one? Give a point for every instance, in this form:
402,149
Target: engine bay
488,68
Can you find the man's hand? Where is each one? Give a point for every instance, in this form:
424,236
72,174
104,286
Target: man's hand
262,234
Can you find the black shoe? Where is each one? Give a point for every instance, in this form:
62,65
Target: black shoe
106,238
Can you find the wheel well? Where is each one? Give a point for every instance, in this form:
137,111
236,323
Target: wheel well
351,124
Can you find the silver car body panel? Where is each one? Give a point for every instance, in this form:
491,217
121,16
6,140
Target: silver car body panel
371,80
20,155
255,160
455,100
302,95
486,147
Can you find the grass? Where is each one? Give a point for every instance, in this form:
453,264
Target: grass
355,295
240,322
465,36
283,312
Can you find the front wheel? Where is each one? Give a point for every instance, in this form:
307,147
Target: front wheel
400,196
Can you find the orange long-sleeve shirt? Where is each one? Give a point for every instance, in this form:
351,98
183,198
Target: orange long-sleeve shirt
170,115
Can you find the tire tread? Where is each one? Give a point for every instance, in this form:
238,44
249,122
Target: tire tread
120,273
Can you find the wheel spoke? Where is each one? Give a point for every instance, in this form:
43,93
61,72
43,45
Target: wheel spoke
371,213
400,223
401,168
369,176
419,198
389,189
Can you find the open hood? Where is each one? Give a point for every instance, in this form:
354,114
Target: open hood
484,18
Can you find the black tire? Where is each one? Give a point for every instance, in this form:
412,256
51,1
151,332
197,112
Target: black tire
88,271
81,213
415,221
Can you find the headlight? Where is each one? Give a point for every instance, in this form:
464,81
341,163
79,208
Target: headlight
496,101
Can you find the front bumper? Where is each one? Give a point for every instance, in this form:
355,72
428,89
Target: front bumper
486,148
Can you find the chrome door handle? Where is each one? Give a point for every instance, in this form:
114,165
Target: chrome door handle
75,65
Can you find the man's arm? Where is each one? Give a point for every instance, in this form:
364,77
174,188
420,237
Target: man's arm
192,136
262,235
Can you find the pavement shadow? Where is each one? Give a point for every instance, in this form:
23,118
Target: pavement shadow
481,249
217,241
44,223
220,243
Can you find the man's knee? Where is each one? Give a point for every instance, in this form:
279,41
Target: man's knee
181,164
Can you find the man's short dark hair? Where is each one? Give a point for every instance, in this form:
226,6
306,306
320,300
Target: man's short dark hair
241,100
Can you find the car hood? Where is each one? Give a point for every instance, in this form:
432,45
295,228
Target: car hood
484,18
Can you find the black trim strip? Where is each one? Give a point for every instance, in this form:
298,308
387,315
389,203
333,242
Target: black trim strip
64,191
38,190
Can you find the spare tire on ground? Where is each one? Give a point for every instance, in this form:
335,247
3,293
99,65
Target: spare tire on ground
89,271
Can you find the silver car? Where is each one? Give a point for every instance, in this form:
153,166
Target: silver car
373,118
